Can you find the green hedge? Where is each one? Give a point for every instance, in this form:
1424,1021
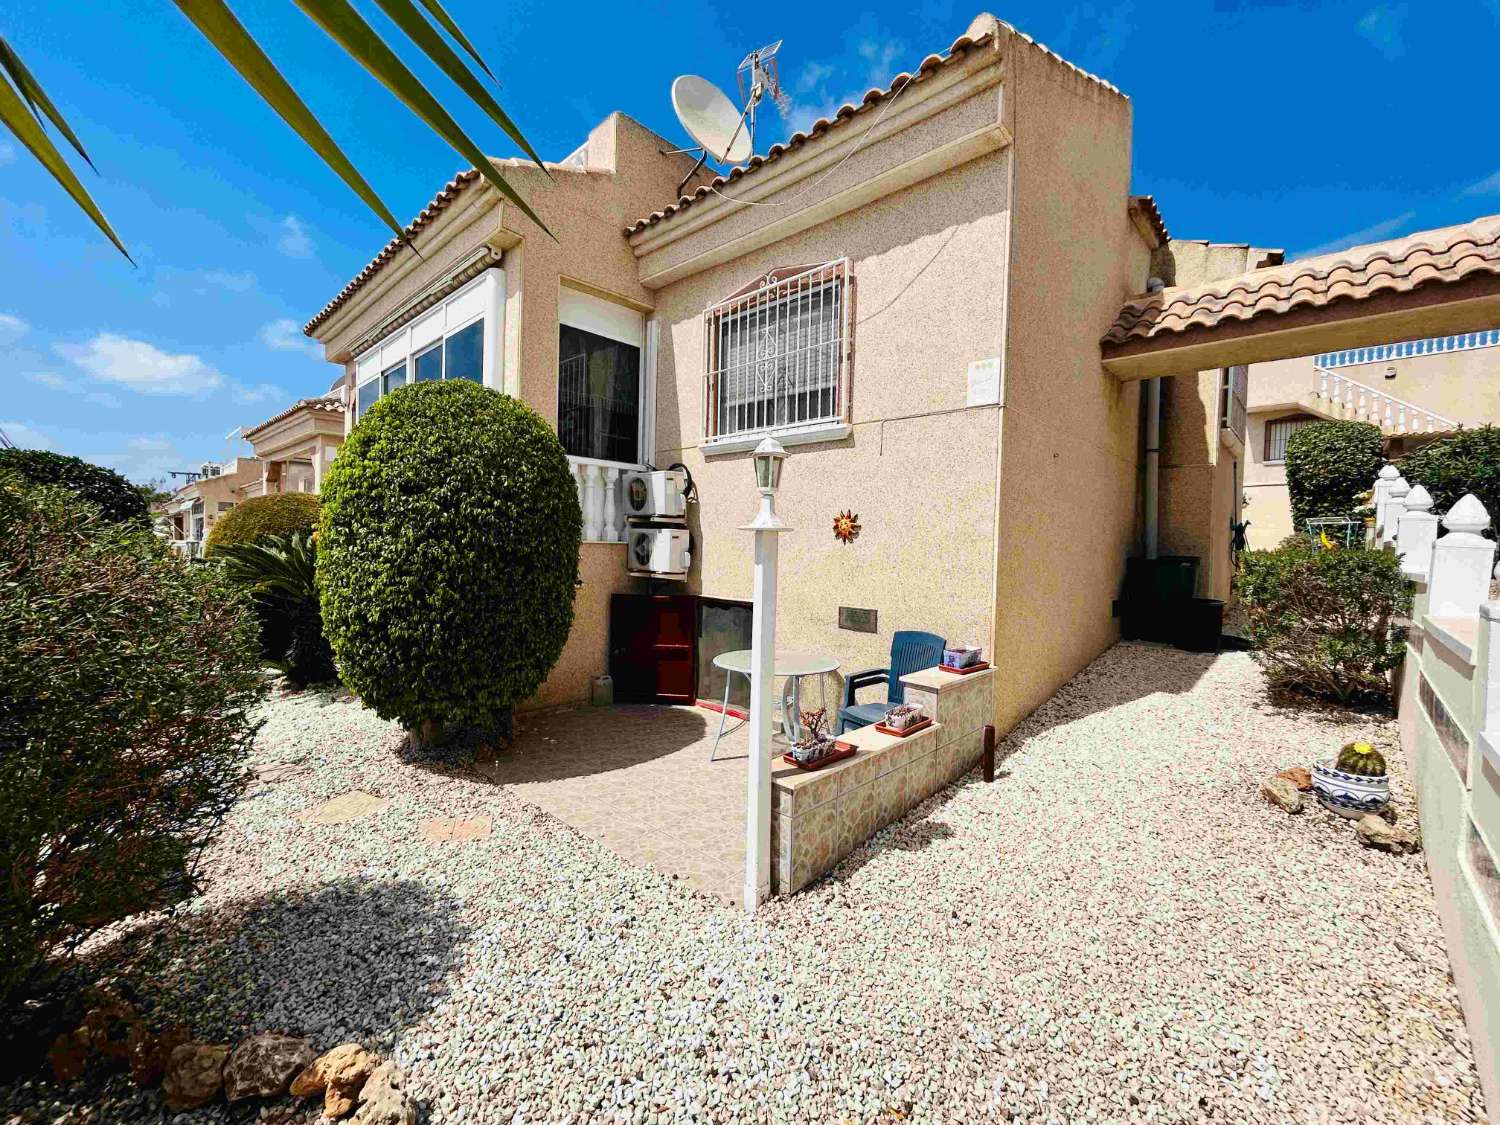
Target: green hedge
1466,462
119,501
1321,621
1328,466
447,556
252,521
127,680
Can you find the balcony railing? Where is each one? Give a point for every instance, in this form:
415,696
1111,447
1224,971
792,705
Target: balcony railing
1434,345
1366,404
600,498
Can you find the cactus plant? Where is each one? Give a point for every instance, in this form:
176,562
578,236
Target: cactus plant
1361,759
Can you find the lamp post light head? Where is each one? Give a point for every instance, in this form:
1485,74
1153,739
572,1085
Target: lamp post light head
768,458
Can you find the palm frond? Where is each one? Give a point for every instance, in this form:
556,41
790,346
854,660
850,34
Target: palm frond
37,98
276,566
348,29
440,14
25,125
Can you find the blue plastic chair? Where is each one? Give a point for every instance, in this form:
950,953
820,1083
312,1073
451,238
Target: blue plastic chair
911,651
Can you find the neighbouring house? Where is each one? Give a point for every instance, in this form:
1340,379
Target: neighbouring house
290,452
210,492
296,446
1416,391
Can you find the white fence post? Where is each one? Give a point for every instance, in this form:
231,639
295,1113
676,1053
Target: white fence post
1395,505
1416,532
1383,480
1489,678
1461,562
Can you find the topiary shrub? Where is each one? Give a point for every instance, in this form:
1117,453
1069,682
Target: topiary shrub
253,520
1467,462
117,499
1321,621
447,556
126,683
1328,465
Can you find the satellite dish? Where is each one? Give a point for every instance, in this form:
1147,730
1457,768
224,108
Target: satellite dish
711,119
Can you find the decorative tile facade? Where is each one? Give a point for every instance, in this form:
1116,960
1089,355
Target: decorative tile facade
820,816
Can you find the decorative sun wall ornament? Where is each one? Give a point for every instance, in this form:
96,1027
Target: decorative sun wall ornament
846,527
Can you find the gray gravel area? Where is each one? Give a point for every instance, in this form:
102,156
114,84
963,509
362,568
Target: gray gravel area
1118,929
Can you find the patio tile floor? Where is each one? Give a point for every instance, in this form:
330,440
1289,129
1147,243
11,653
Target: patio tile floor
638,779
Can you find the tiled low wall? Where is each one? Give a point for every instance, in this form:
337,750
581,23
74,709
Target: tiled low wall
820,816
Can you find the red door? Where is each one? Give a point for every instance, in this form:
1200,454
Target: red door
653,643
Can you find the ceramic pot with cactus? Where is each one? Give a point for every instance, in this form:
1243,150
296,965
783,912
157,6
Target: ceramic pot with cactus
1353,783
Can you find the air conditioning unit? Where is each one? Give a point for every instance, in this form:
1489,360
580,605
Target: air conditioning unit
655,495
659,552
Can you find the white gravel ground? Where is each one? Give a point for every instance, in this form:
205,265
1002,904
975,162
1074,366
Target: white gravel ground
1118,929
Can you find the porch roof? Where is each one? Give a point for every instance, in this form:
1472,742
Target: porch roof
1433,282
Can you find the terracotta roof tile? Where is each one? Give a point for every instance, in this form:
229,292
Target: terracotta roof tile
330,403
1446,255
981,31
1146,204
440,202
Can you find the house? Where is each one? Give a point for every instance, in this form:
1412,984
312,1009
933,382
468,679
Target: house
910,296
296,446
1415,390
290,452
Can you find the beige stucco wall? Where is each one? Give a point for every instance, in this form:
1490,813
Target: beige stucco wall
619,176
919,467
1069,481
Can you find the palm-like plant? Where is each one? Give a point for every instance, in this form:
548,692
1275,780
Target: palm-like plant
25,108
280,573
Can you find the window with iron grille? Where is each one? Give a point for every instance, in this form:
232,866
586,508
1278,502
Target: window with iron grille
777,352
1278,430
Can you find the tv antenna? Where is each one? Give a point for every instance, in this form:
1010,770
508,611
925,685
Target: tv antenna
719,129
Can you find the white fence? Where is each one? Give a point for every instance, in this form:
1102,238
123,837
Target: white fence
1449,712
1431,346
1367,404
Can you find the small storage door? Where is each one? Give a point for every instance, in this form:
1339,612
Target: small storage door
653,643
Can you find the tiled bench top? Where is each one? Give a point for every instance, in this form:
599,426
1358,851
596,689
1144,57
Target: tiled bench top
795,790
935,679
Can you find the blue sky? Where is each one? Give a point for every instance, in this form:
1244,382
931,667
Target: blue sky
1299,123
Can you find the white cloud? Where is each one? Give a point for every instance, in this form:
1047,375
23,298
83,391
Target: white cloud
26,437
7,153
56,382
1384,28
285,335
142,366
12,328
292,238
246,395
226,279
1490,185
1372,233
820,88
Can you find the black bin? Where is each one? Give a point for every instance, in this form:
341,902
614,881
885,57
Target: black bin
1200,625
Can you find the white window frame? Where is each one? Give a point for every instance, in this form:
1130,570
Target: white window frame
623,324
481,298
773,291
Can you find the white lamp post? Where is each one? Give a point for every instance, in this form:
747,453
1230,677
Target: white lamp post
768,459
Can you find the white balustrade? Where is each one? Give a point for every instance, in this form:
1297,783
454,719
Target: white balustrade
600,500
1465,341
1367,404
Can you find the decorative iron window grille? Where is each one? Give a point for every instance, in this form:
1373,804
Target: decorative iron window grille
777,353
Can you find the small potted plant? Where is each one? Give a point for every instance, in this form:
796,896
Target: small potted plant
904,715
962,656
1354,783
815,742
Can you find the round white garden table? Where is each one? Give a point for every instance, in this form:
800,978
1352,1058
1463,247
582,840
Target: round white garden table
793,666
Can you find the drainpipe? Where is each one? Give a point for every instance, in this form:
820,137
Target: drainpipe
1153,446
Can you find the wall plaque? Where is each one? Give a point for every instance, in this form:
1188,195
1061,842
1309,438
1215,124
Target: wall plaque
859,620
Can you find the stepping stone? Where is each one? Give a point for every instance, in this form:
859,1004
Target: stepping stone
341,810
448,830
276,772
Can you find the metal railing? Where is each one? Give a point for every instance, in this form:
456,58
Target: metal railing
1366,404
1466,341
777,353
